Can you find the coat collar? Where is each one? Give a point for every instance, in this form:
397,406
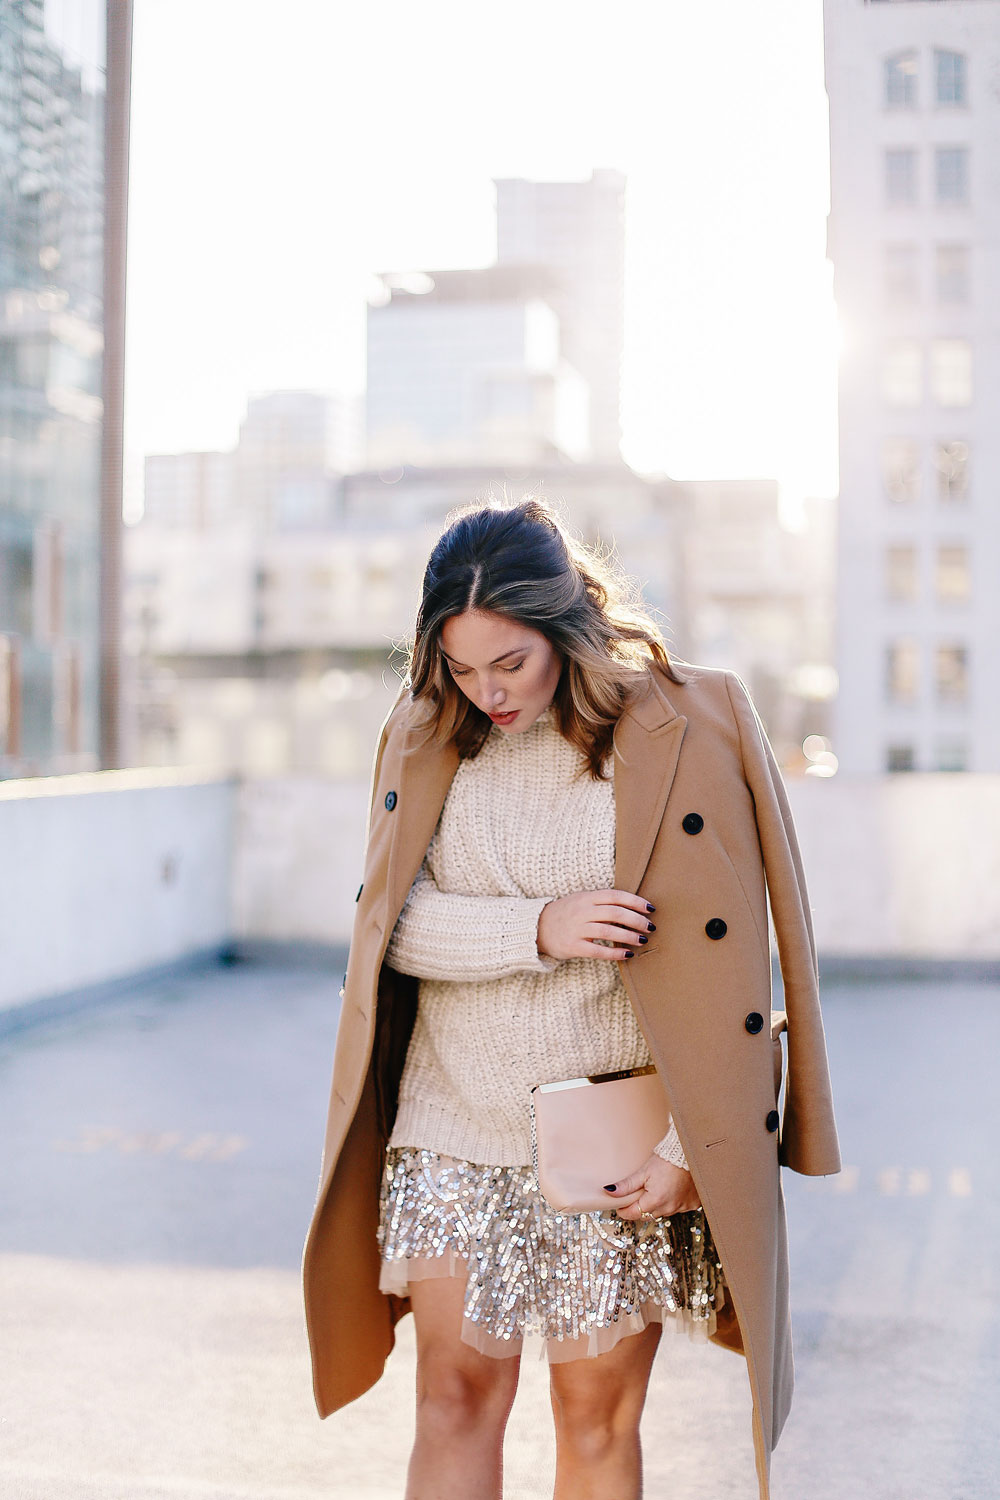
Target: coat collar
647,744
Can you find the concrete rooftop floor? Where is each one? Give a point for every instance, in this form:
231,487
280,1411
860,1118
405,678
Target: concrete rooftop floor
161,1158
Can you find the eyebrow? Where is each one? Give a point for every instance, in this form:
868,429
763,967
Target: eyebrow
496,660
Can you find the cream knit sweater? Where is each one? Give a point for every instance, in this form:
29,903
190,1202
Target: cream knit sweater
518,828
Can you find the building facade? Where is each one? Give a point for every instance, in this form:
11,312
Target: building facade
274,652
467,366
914,236
757,596
63,165
577,230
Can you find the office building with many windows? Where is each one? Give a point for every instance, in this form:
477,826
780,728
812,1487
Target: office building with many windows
914,236
63,133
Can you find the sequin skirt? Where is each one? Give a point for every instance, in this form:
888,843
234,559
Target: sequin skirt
580,1281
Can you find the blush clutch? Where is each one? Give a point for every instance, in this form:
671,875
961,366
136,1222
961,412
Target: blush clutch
589,1131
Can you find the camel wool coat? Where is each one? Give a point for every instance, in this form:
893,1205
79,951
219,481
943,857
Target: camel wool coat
704,832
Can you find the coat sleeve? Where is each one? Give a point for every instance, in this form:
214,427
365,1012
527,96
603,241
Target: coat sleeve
808,1130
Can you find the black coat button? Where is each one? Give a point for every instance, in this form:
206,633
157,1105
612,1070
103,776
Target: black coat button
390,801
360,889
754,1022
716,928
773,1121
693,823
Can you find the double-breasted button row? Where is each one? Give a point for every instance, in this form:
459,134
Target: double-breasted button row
693,823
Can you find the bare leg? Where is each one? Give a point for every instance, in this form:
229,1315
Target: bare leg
597,1404
463,1402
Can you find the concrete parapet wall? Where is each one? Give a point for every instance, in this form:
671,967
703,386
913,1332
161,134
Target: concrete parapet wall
298,859
903,866
108,873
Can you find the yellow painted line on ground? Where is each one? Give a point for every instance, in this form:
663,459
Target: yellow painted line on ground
893,1182
209,1146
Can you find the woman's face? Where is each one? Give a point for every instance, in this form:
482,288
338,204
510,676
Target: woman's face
510,671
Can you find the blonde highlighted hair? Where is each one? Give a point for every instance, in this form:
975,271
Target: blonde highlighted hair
519,560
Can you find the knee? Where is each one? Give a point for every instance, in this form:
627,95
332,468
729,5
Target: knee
451,1399
591,1420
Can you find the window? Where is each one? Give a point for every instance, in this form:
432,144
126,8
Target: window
951,463
953,574
951,755
902,280
903,373
900,80
901,573
951,273
951,673
901,176
951,174
950,78
951,372
901,469
902,665
899,758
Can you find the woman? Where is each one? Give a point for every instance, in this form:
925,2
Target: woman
570,845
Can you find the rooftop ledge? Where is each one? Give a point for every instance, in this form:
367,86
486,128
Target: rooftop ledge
133,778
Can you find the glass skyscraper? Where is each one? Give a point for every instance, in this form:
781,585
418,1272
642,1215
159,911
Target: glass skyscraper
59,267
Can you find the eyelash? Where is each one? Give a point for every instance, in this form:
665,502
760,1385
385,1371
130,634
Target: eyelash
503,669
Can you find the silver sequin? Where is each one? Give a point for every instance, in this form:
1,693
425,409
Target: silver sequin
532,1270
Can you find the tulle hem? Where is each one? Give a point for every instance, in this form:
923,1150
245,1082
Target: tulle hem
396,1277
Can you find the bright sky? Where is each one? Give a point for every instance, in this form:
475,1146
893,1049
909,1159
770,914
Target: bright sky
282,155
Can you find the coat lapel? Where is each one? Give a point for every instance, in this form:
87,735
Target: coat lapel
647,744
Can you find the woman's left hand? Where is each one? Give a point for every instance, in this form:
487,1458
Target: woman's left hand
662,1190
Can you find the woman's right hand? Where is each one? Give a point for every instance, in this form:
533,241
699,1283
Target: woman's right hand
570,926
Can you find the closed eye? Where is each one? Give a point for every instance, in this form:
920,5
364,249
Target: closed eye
465,672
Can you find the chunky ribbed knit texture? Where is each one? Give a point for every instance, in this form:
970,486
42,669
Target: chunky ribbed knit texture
519,827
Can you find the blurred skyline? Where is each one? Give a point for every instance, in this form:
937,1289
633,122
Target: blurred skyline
274,171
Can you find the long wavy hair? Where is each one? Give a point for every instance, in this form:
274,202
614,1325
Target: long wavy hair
520,561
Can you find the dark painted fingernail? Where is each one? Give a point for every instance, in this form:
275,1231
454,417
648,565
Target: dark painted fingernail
651,926
610,1187
650,906
629,953
643,938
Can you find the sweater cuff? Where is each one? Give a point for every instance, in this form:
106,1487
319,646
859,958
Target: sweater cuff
671,1150
520,939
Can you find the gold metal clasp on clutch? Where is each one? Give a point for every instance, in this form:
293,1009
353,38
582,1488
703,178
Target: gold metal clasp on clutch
575,1083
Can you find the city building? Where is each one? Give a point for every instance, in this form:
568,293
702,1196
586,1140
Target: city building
467,367
269,653
756,596
607,505
190,491
914,235
64,88
291,444
281,476
274,652
577,230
